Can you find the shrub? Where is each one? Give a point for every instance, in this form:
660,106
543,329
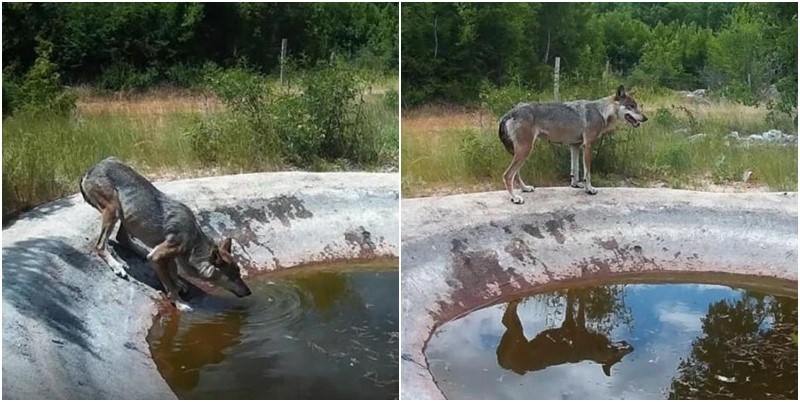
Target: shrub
125,77
38,91
324,119
500,100
391,99
187,76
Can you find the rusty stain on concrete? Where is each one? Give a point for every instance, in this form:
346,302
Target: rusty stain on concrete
449,269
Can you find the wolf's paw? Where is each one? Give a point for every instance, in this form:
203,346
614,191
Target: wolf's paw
182,306
591,190
119,269
576,184
516,199
527,189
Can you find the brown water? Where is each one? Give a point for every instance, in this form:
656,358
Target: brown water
314,334
628,341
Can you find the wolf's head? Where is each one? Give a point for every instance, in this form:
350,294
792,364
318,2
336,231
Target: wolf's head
223,271
613,353
628,108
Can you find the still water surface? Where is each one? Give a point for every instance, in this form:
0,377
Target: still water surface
312,334
635,341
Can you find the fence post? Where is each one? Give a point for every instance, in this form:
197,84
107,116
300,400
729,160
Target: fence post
555,79
283,57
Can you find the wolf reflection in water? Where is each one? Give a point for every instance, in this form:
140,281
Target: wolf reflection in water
572,342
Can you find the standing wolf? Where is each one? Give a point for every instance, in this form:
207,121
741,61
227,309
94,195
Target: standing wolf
573,123
165,225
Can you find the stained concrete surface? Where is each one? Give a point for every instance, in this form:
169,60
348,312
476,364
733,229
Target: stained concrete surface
467,251
73,330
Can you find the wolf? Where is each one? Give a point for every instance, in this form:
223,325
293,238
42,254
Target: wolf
570,343
575,123
167,227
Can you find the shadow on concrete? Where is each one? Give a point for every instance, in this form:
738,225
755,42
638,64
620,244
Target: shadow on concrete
45,280
38,211
40,279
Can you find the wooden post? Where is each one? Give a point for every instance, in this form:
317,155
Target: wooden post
435,36
283,57
555,79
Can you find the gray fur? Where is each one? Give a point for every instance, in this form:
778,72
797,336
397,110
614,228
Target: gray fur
148,214
165,225
574,123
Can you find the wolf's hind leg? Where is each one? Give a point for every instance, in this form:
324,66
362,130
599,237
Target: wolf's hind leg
111,211
522,186
521,152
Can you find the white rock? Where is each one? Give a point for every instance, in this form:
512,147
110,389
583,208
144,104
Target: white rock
772,135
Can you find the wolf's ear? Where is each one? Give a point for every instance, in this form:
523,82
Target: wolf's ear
607,370
620,93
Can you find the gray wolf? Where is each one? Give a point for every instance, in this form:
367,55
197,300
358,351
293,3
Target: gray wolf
570,343
575,123
168,227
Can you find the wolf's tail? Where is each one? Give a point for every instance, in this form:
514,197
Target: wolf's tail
504,135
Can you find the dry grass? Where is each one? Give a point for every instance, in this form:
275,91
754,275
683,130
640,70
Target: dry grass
159,102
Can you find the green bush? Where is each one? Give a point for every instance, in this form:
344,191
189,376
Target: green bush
243,91
188,76
125,77
38,91
500,100
324,119
391,99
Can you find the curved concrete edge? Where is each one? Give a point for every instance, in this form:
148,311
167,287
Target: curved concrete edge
468,251
73,330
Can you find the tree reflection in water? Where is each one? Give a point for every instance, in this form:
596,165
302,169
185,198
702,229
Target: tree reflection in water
748,350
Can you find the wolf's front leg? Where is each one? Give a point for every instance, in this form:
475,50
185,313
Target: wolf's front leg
179,282
574,169
587,169
164,258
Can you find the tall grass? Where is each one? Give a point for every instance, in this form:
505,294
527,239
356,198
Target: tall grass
462,156
44,155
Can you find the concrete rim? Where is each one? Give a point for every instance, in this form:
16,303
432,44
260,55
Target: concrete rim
73,330
468,251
